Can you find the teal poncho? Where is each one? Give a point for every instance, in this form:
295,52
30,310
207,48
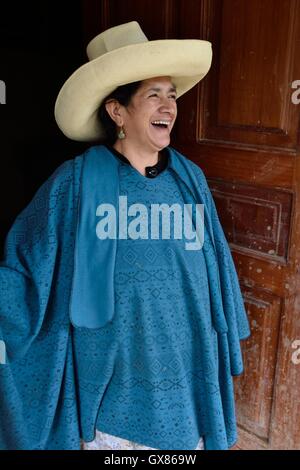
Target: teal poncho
57,292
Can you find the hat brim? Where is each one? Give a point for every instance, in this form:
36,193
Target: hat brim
186,61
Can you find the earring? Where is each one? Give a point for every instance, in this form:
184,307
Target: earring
121,133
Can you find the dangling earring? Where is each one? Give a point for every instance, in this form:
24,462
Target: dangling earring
121,133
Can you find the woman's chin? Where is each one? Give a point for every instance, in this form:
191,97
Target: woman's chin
160,137
162,142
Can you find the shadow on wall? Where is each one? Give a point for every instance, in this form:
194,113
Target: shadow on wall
40,46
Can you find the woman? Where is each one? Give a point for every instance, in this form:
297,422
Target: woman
136,142
122,323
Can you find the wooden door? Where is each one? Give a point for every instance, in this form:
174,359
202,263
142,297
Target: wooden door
242,128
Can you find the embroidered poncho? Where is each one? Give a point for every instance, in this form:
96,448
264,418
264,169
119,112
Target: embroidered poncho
58,293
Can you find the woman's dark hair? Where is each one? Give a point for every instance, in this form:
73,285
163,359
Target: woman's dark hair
123,95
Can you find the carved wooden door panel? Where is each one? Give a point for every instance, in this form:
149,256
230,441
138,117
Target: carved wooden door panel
242,128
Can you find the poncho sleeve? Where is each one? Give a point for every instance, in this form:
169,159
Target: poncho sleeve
35,280
232,299
31,252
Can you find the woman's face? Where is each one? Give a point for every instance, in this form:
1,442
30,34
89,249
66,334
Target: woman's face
154,101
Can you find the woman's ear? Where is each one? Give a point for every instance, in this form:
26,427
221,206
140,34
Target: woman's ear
113,108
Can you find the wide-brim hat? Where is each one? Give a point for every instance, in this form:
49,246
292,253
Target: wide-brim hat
122,55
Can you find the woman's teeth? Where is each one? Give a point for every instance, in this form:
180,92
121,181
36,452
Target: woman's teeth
160,123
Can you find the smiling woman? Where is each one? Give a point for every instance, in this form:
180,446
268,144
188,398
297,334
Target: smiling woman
146,121
146,332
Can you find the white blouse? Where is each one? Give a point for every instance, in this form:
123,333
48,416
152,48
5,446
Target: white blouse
105,441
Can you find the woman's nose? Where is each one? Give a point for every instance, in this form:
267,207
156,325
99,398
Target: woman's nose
167,102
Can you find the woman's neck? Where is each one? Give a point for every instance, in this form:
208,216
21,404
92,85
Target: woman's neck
138,158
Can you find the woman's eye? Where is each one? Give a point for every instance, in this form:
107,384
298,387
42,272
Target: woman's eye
171,96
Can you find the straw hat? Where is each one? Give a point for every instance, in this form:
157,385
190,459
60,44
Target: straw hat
122,55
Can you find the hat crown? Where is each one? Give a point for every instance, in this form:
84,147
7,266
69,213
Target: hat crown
114,38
